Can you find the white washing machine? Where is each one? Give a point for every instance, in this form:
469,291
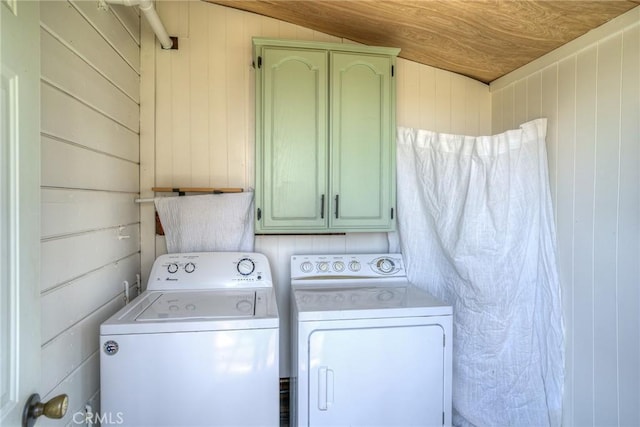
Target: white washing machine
199,347
369,348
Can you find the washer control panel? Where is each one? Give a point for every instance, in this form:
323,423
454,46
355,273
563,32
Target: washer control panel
210,270
346,266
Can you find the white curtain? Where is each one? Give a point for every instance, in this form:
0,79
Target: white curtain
475,227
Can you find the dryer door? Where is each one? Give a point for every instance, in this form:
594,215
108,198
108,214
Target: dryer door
383,376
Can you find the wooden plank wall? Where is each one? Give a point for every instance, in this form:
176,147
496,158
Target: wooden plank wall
204,121
205,100
590,92
90,177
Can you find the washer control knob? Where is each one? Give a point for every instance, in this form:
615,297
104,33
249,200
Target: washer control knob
246,266
323,266
306,267
338,266
172,268
190,267
354,266
385,265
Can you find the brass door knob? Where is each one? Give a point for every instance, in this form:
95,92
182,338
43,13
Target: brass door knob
56,407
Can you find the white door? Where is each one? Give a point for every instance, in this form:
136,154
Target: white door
19,207
378,376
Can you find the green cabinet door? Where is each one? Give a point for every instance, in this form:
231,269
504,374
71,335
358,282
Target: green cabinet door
362,159
325,137
291,150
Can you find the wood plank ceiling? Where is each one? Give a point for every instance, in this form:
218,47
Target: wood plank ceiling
482,39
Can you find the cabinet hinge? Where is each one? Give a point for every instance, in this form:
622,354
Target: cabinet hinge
259,61
443,418
391,213
444,340
259,213
392,70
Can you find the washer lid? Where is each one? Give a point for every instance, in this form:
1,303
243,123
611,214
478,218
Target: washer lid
191,311
200,305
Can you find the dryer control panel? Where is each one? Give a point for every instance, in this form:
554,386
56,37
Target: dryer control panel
347,266
210,270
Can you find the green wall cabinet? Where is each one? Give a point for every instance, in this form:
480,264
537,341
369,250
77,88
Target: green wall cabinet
325,137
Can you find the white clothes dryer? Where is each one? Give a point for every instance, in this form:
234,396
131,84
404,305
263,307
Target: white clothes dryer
199,347
369,348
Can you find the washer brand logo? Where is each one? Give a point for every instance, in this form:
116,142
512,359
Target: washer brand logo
110,347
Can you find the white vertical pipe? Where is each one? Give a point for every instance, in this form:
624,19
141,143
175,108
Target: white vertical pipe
146,6
126,292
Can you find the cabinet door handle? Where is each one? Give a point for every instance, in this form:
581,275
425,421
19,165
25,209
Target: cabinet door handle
322,207
337,203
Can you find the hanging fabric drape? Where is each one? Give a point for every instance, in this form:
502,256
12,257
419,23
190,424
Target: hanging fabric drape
207,223
475,228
